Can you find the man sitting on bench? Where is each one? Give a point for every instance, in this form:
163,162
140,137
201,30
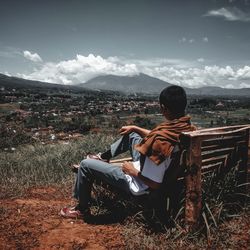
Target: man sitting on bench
150,150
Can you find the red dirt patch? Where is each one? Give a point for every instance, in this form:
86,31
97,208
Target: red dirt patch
33,223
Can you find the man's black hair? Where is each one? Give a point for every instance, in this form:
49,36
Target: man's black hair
174,99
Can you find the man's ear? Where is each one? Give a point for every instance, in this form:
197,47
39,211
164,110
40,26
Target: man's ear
165,111
162,107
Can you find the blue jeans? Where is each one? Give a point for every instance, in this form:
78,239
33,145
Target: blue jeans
91,170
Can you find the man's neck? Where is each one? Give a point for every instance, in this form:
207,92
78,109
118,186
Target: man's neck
170,118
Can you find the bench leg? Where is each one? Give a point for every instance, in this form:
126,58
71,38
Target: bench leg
193,185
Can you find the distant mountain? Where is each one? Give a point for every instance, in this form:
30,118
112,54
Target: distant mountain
146,84
129,84
9,82
218,91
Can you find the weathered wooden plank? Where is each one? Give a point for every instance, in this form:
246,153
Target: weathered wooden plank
120,160
217,152
206,134
243,166
221,140
212,132
193,184
213,160
212,167
220,145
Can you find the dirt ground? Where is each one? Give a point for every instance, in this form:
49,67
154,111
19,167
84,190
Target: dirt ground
33,222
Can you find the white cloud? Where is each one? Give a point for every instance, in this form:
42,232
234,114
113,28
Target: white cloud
175,71
230,14
81,69
200,60
244,73
34,57
206,76
205,39
244,85
183,40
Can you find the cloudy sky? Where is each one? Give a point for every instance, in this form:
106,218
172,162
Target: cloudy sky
186,42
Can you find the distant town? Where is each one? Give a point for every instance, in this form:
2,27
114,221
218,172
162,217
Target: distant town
49,116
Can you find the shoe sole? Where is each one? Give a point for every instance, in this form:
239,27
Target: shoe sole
65,215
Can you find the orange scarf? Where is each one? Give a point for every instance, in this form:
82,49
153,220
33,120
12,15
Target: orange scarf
160,142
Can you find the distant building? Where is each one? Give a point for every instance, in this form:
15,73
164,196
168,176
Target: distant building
219,105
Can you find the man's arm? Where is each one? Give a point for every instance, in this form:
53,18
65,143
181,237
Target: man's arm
132,128
128,168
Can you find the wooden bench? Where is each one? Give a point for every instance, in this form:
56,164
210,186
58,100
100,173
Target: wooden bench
216,150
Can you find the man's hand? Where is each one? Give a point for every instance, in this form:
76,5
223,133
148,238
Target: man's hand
132,128
126,129
128,168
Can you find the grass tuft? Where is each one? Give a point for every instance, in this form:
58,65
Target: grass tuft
43,165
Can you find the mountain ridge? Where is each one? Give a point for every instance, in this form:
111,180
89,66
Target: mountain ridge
141,83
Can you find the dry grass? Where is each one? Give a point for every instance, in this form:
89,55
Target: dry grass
42,165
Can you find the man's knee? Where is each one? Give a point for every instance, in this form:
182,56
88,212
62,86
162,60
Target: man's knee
86,168
134,138
84,165
90,166
133,134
